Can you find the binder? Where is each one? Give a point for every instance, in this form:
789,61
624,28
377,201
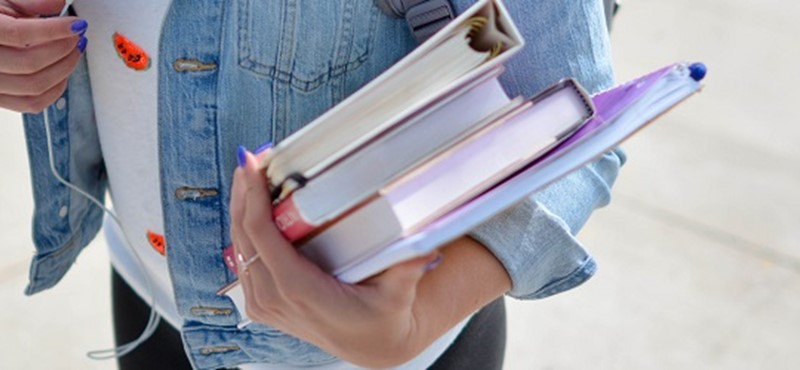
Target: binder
476,42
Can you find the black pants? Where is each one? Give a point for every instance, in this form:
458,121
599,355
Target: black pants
480,346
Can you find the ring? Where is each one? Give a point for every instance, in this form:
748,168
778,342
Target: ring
245,264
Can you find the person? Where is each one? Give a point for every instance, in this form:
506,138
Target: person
154,112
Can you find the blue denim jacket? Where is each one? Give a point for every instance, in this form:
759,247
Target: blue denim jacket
248,71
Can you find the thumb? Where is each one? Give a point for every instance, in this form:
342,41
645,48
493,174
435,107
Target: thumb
32,8
400,281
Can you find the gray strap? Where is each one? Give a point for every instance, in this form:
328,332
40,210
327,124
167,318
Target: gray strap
424,17
611,9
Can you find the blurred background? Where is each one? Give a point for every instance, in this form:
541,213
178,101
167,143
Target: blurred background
698,251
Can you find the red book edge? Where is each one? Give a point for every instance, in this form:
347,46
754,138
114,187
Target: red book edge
290,220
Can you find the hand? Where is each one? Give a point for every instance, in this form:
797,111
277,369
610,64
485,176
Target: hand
372,324
37,55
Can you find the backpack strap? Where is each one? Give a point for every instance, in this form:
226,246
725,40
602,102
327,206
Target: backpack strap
424,17
611,8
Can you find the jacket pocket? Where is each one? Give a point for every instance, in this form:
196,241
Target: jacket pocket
304,43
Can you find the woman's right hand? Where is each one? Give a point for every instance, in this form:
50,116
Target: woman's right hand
37,54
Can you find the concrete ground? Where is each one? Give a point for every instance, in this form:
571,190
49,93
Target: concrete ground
699,255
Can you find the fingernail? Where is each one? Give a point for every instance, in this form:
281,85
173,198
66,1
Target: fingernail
241,156
435,263
79,26
264,147
82,44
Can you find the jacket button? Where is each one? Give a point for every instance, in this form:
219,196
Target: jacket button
190,193
63,212
192,65
61,103
210,311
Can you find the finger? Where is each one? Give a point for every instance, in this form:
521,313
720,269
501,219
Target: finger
37,7
256,280
242,247
24,61
241,243
280,257
33,104
25,32
260,155
37,83
251,307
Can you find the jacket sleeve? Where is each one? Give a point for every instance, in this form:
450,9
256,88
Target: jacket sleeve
64,221
535,240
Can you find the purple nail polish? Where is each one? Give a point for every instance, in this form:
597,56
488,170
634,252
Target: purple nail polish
241,156
263,147
435,263
82,44
79,26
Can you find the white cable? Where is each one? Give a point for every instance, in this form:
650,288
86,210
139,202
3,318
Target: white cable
154,318
66,7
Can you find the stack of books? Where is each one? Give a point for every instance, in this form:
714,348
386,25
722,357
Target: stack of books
433,147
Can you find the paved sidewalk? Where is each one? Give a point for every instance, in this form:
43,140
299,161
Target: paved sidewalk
699,256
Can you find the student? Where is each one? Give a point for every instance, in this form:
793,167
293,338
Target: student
154,112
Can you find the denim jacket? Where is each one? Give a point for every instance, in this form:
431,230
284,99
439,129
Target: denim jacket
247,71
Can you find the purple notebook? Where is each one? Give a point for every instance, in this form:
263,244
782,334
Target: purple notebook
611,103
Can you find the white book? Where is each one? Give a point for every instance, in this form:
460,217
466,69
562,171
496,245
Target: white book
453,177
480,39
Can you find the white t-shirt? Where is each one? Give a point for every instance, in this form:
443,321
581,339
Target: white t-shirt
125,101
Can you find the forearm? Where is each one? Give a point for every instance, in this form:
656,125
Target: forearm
468,278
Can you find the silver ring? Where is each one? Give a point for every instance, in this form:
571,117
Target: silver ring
243,264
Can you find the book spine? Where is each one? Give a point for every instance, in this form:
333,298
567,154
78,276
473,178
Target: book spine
290,221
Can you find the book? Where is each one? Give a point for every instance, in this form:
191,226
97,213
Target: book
454,176
478,40
620,113
360,175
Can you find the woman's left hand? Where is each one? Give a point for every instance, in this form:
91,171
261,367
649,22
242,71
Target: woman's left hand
372,324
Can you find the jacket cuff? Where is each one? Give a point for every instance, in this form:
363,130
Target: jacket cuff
534,240
536,248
